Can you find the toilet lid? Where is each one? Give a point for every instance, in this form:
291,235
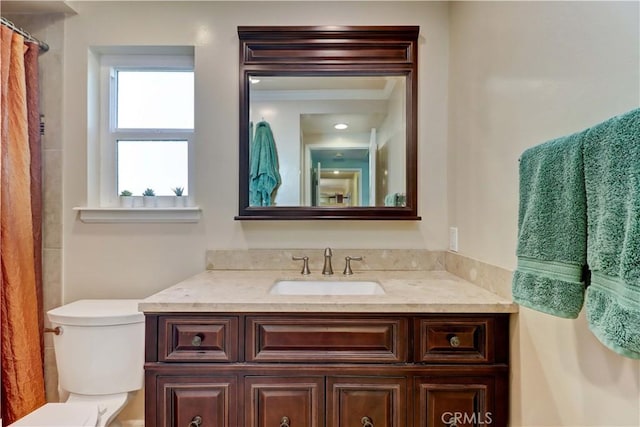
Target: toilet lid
61,414
97,312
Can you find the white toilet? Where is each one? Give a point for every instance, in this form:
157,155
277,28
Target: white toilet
100,360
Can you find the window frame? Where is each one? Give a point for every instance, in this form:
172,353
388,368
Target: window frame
110,134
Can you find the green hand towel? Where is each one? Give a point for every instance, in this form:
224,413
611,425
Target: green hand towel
552,228
612,174
263,166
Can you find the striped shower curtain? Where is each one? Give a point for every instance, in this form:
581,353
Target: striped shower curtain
20,229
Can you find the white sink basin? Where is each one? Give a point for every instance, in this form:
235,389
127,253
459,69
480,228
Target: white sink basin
326,287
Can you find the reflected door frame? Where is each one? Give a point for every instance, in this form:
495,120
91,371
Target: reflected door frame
357,173
307,166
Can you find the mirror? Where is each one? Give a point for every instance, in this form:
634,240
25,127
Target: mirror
328,123
340,140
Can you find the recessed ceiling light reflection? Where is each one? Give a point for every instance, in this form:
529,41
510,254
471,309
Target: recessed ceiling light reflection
341,126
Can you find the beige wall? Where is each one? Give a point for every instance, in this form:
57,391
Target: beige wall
135,260
522,73
515,75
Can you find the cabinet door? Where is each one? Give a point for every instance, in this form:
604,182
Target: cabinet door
456,402
284,401
366,402
197,401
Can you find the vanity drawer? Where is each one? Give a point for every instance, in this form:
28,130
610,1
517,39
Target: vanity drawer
198,339
326,339
455,339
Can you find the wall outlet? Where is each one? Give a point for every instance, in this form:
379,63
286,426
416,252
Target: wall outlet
453,239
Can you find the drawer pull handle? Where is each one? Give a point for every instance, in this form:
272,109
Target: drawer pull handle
454,341
366,422
284,422
196,421
197,340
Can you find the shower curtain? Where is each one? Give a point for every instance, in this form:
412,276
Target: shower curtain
20,229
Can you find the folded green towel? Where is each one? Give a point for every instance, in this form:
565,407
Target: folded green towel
263,166
612,176
552,239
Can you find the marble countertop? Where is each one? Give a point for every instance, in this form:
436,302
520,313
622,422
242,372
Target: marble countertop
248,291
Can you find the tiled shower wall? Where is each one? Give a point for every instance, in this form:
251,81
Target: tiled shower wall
51,104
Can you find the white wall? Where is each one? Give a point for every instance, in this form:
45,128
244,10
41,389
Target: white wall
523,73
393,132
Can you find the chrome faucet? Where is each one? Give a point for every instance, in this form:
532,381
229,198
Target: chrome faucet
327,269
347,264
305,264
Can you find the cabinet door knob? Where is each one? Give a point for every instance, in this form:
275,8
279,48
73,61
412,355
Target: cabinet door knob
196,421
197,340
454,341
366,422
284,422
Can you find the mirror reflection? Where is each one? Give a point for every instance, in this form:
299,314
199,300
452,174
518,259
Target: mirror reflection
337,141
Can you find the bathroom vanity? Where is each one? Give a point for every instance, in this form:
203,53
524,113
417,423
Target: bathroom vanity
221,350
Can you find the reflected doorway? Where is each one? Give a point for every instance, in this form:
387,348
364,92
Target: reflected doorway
337,187
338,177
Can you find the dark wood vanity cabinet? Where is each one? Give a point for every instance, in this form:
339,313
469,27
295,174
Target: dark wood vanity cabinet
326,370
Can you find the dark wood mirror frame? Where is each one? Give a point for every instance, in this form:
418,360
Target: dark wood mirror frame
329,51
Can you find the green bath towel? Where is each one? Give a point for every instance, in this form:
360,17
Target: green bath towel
552,241
612,176
263,166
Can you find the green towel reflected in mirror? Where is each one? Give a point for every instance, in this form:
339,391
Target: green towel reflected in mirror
264,176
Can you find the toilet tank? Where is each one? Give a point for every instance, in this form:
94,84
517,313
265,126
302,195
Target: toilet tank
101,347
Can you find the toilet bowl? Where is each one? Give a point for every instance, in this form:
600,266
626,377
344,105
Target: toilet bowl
100,361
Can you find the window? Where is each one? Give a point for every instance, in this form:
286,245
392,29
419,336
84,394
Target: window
147,125
160,165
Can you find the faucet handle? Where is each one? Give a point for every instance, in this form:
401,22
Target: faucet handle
347,264
305,263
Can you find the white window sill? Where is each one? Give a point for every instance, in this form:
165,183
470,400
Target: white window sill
137,215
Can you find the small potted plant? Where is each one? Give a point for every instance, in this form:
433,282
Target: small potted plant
179,199
126,199
149,198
